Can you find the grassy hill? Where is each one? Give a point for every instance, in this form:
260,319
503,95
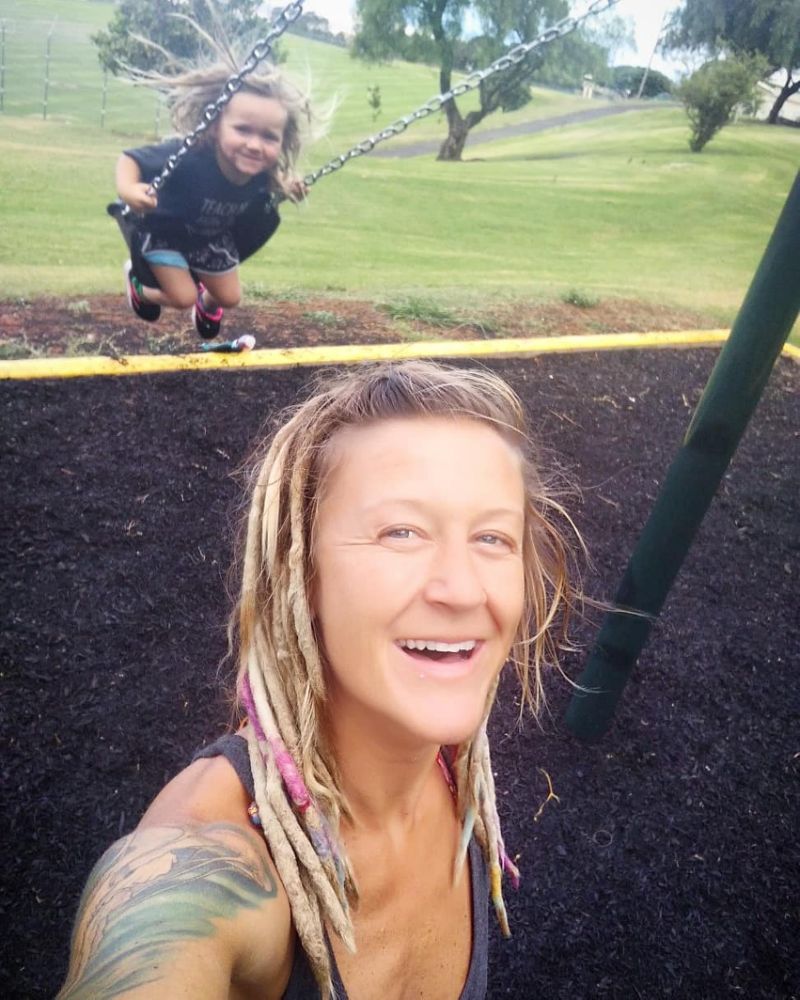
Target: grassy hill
614,207
76,83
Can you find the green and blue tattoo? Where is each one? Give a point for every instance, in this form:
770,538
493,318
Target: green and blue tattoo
153,890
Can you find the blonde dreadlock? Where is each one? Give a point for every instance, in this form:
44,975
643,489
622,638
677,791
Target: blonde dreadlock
281,682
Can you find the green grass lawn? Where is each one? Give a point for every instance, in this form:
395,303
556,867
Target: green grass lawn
617,207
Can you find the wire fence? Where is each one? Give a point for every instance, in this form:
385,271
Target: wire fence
49,69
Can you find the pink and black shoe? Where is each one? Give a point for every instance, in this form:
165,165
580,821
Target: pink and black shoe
206,323
145,310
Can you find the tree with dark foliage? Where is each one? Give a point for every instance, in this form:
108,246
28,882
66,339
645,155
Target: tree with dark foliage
588,50
387,28
166,24
628,80
311,25
770,28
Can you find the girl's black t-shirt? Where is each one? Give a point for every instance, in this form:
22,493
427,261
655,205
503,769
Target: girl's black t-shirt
197,201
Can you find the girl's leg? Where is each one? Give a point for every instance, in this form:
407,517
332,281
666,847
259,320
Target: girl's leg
221,290
176,287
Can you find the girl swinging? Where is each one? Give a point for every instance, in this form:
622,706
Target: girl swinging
216,207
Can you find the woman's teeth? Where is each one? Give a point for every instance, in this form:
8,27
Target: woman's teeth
434,646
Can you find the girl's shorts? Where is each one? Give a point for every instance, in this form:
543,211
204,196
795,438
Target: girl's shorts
219,256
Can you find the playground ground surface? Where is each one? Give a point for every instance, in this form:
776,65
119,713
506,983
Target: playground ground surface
103,324
667,866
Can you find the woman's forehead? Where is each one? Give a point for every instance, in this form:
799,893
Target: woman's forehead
420,449
405,433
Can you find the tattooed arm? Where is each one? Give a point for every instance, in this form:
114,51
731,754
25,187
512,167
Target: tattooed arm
170,911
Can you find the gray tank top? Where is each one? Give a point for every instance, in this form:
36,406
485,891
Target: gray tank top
302,985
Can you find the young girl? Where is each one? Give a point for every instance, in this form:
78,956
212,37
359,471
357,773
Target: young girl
400,548
214,209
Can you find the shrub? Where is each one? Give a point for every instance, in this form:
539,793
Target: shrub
712,94
421,311
579,299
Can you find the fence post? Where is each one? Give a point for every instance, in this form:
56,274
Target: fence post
104,99
47,69
728,401
2,65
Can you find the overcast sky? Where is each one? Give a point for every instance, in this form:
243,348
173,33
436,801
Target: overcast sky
646,15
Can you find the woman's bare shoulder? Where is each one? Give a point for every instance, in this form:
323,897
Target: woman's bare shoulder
189,904
207,791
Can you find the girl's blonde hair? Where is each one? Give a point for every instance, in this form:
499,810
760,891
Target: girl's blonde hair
190,92
188,88
281,682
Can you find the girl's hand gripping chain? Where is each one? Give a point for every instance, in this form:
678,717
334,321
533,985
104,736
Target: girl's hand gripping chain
294,187
141,198
135,192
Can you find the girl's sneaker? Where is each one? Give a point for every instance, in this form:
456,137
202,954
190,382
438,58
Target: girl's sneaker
145,310
206,323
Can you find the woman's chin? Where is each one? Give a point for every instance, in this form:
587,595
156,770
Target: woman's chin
449,727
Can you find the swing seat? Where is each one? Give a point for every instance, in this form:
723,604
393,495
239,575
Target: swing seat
250,233
124,218
127,220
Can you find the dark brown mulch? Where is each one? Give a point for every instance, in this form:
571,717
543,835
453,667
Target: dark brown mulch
668,867
103,324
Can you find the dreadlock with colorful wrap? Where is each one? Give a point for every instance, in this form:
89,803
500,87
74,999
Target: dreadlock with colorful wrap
283,682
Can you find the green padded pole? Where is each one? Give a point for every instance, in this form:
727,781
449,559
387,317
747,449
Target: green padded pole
728,401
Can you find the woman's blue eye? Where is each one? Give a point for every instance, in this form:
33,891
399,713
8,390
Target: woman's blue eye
402,534
489,538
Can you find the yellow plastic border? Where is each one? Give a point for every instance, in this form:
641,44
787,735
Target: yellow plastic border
141,364
791,351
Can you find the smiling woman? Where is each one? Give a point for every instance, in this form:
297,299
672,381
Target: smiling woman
400,548
419,539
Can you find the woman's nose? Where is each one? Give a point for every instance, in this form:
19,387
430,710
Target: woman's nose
454,578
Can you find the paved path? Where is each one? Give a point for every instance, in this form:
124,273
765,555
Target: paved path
523,128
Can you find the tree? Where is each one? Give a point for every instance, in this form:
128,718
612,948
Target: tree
587,50
770,28
434,30
628,79
164,23
311,25
712,94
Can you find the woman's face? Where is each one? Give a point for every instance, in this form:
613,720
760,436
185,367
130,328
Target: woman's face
418,589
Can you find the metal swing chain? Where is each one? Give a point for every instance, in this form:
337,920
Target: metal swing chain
233,84
470,82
